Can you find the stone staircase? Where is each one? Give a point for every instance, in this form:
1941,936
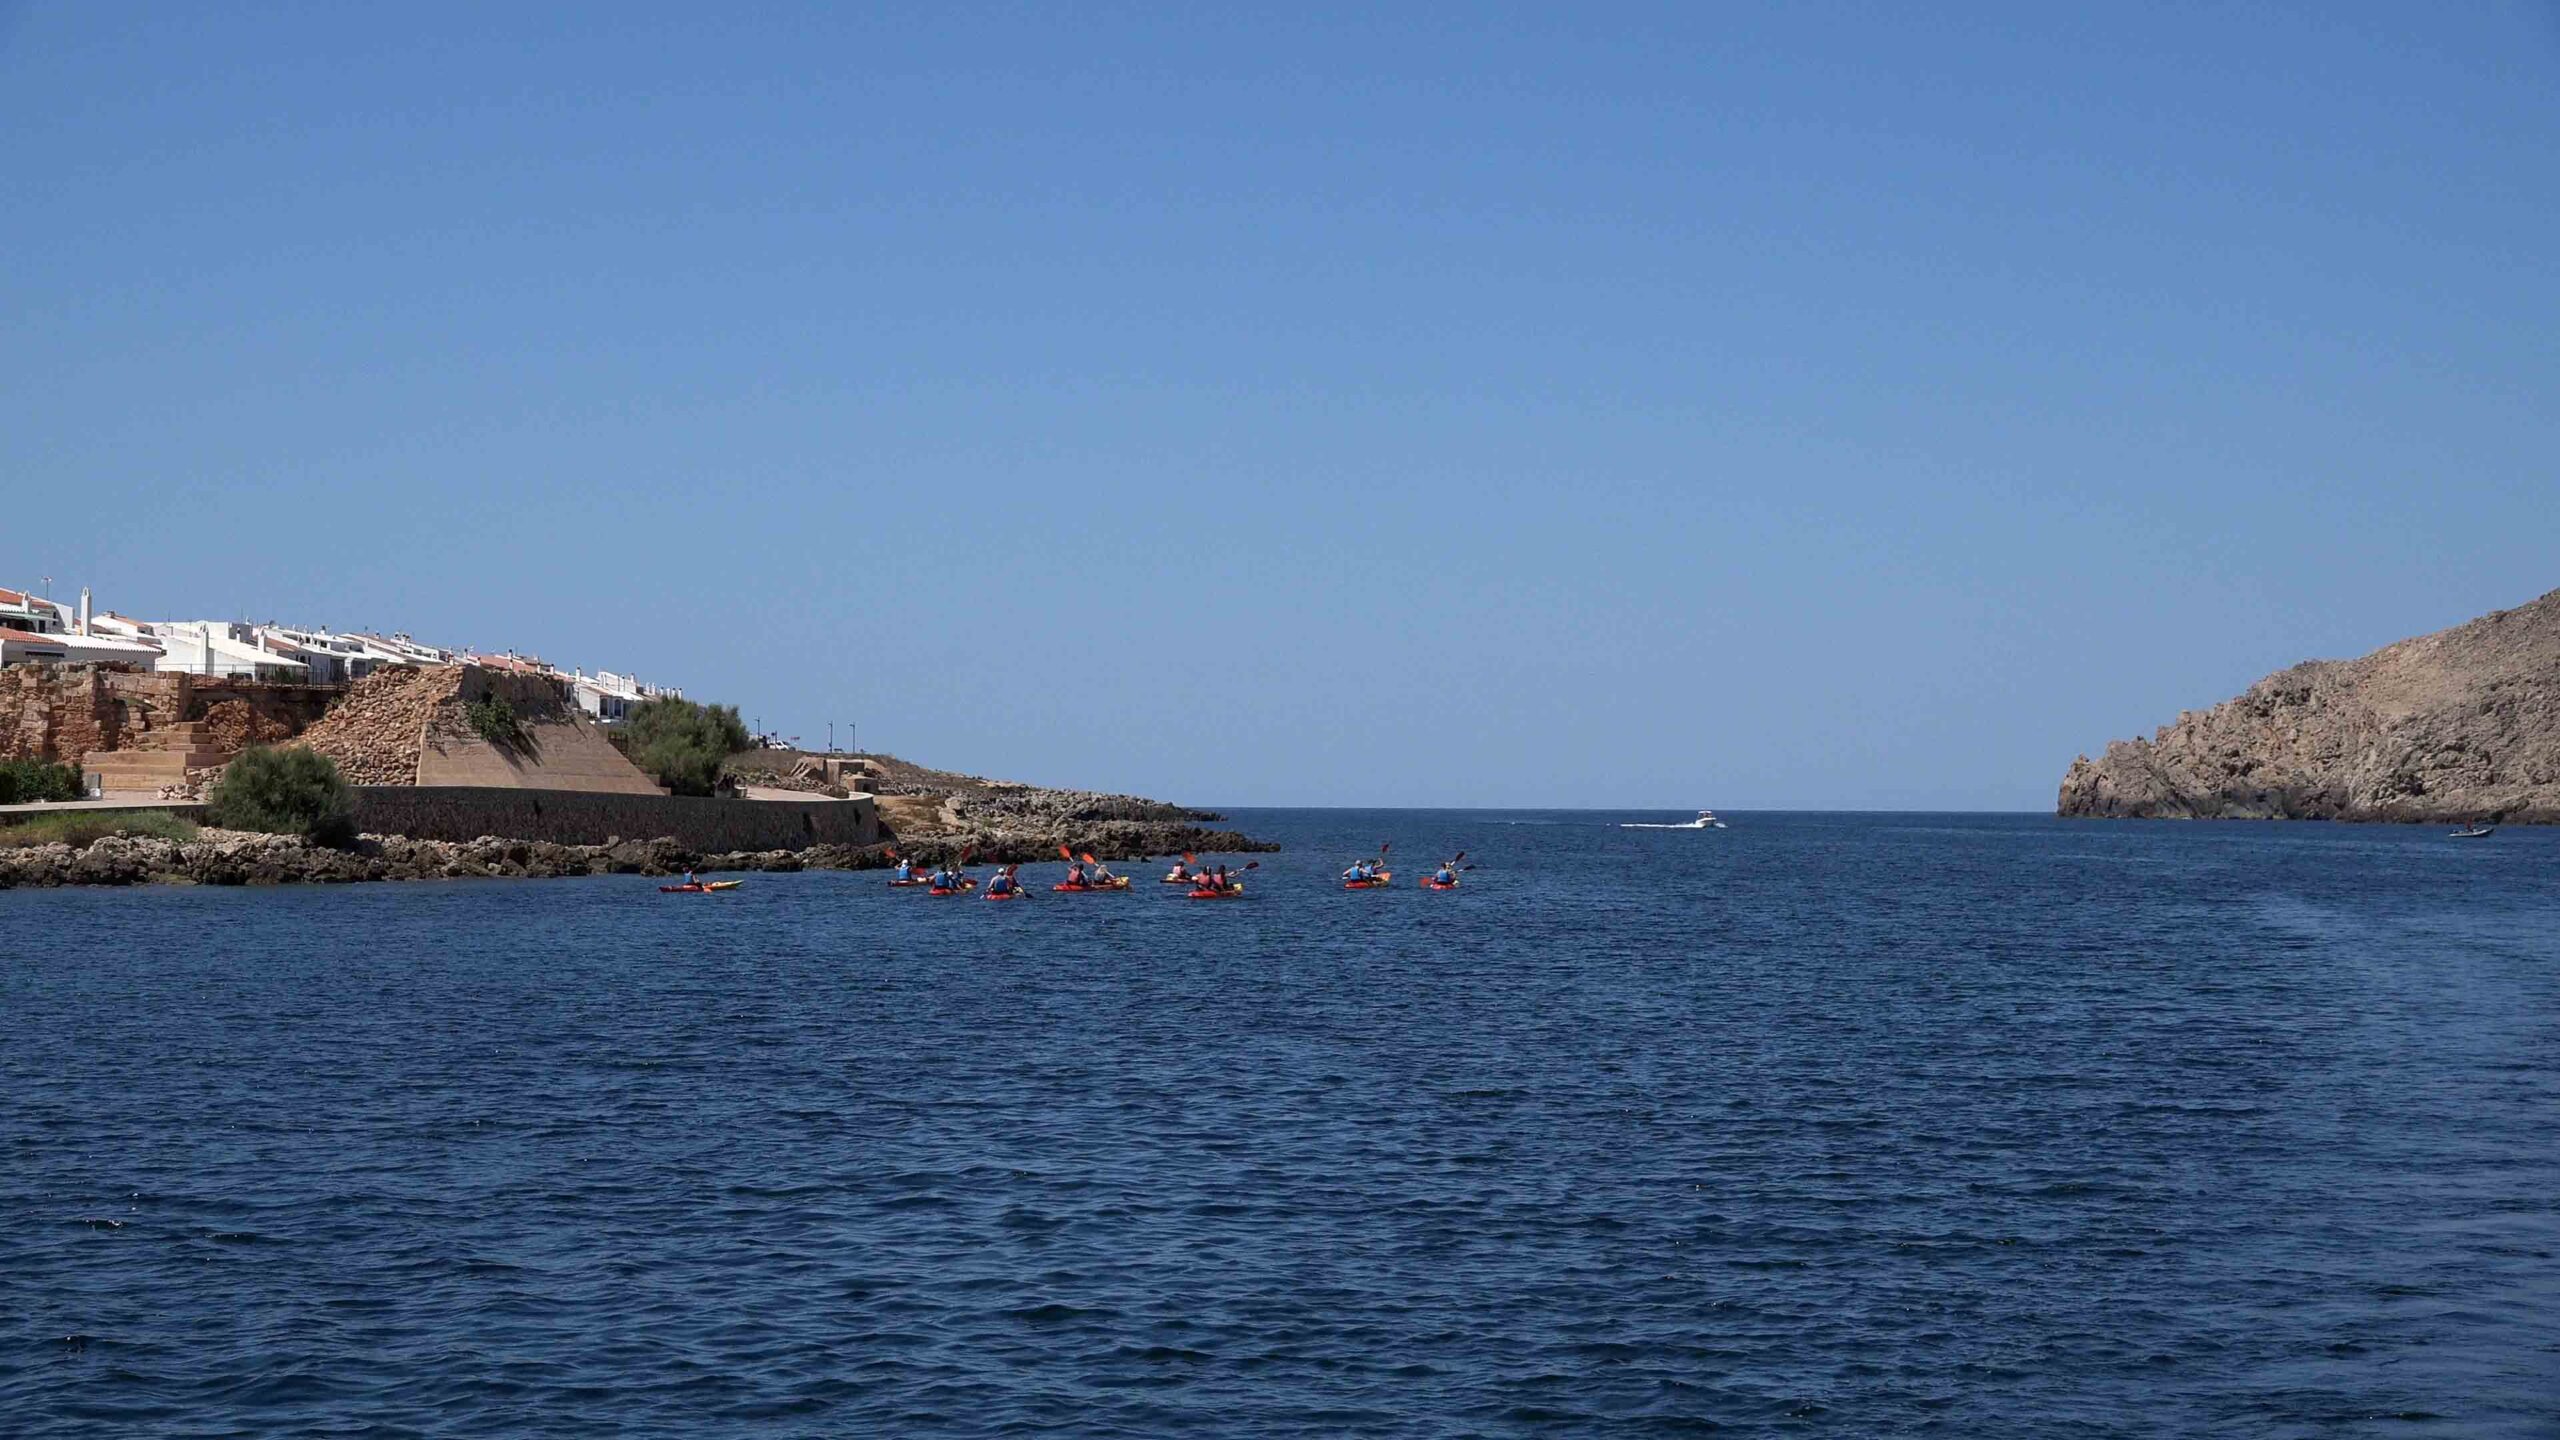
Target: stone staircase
162,757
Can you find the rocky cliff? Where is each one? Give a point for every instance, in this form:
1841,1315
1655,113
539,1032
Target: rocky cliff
2463,724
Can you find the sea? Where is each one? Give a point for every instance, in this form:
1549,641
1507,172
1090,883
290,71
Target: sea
1821,1124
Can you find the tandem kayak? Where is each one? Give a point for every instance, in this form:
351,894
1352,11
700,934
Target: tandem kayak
1175,879
1116,882
963,888
1230,893
1380,882
703,889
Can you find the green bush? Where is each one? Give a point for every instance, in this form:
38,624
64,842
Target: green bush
493,719
284,792
23,782
681,744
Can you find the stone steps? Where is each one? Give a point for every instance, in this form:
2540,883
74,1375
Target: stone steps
146,770
185,735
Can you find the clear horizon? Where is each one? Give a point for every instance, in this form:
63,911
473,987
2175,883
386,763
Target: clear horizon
1826,409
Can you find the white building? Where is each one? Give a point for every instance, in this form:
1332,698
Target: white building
334,659
34,630
610,697
219,647
32,614
605,695
26,647
401,650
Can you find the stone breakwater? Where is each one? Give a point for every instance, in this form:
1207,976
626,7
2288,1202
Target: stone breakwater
235,858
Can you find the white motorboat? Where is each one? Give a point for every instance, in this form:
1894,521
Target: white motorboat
1706,821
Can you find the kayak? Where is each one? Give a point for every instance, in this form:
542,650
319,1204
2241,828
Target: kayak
919,880
1116,882
1378,882
1176,879
1002,895
963,888
1436,885
1230,893
703,889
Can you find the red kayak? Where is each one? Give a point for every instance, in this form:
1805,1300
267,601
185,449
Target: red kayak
1230,893
952,890
1002,895
1436,885
1380,883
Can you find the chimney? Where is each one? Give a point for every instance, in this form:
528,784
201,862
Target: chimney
84,610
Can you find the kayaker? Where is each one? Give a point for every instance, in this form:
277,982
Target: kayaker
1446,875
1180,871
1075,875
1101,874
1359,871
1221,883
690,883
944,878
1001,883
906,868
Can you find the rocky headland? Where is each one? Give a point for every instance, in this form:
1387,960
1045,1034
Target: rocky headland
226,857
2461,725
928,816
933,815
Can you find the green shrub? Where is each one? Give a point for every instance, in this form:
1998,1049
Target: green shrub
681,744
493,719
284,792
23,782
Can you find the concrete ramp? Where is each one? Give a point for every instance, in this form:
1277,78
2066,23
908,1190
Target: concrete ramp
556,746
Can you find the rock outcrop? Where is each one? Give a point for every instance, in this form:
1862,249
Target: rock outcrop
938,814
2460,725
220,857
226,857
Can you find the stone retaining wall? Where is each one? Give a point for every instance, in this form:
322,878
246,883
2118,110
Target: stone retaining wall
52,712
64,712
571,817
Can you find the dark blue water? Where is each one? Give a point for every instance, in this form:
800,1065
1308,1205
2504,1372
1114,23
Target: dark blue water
1822,1124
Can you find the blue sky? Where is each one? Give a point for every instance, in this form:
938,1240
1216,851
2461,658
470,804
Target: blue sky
1818,405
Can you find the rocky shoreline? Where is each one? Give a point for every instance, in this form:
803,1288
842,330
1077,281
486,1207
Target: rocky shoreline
2459,726
220,857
